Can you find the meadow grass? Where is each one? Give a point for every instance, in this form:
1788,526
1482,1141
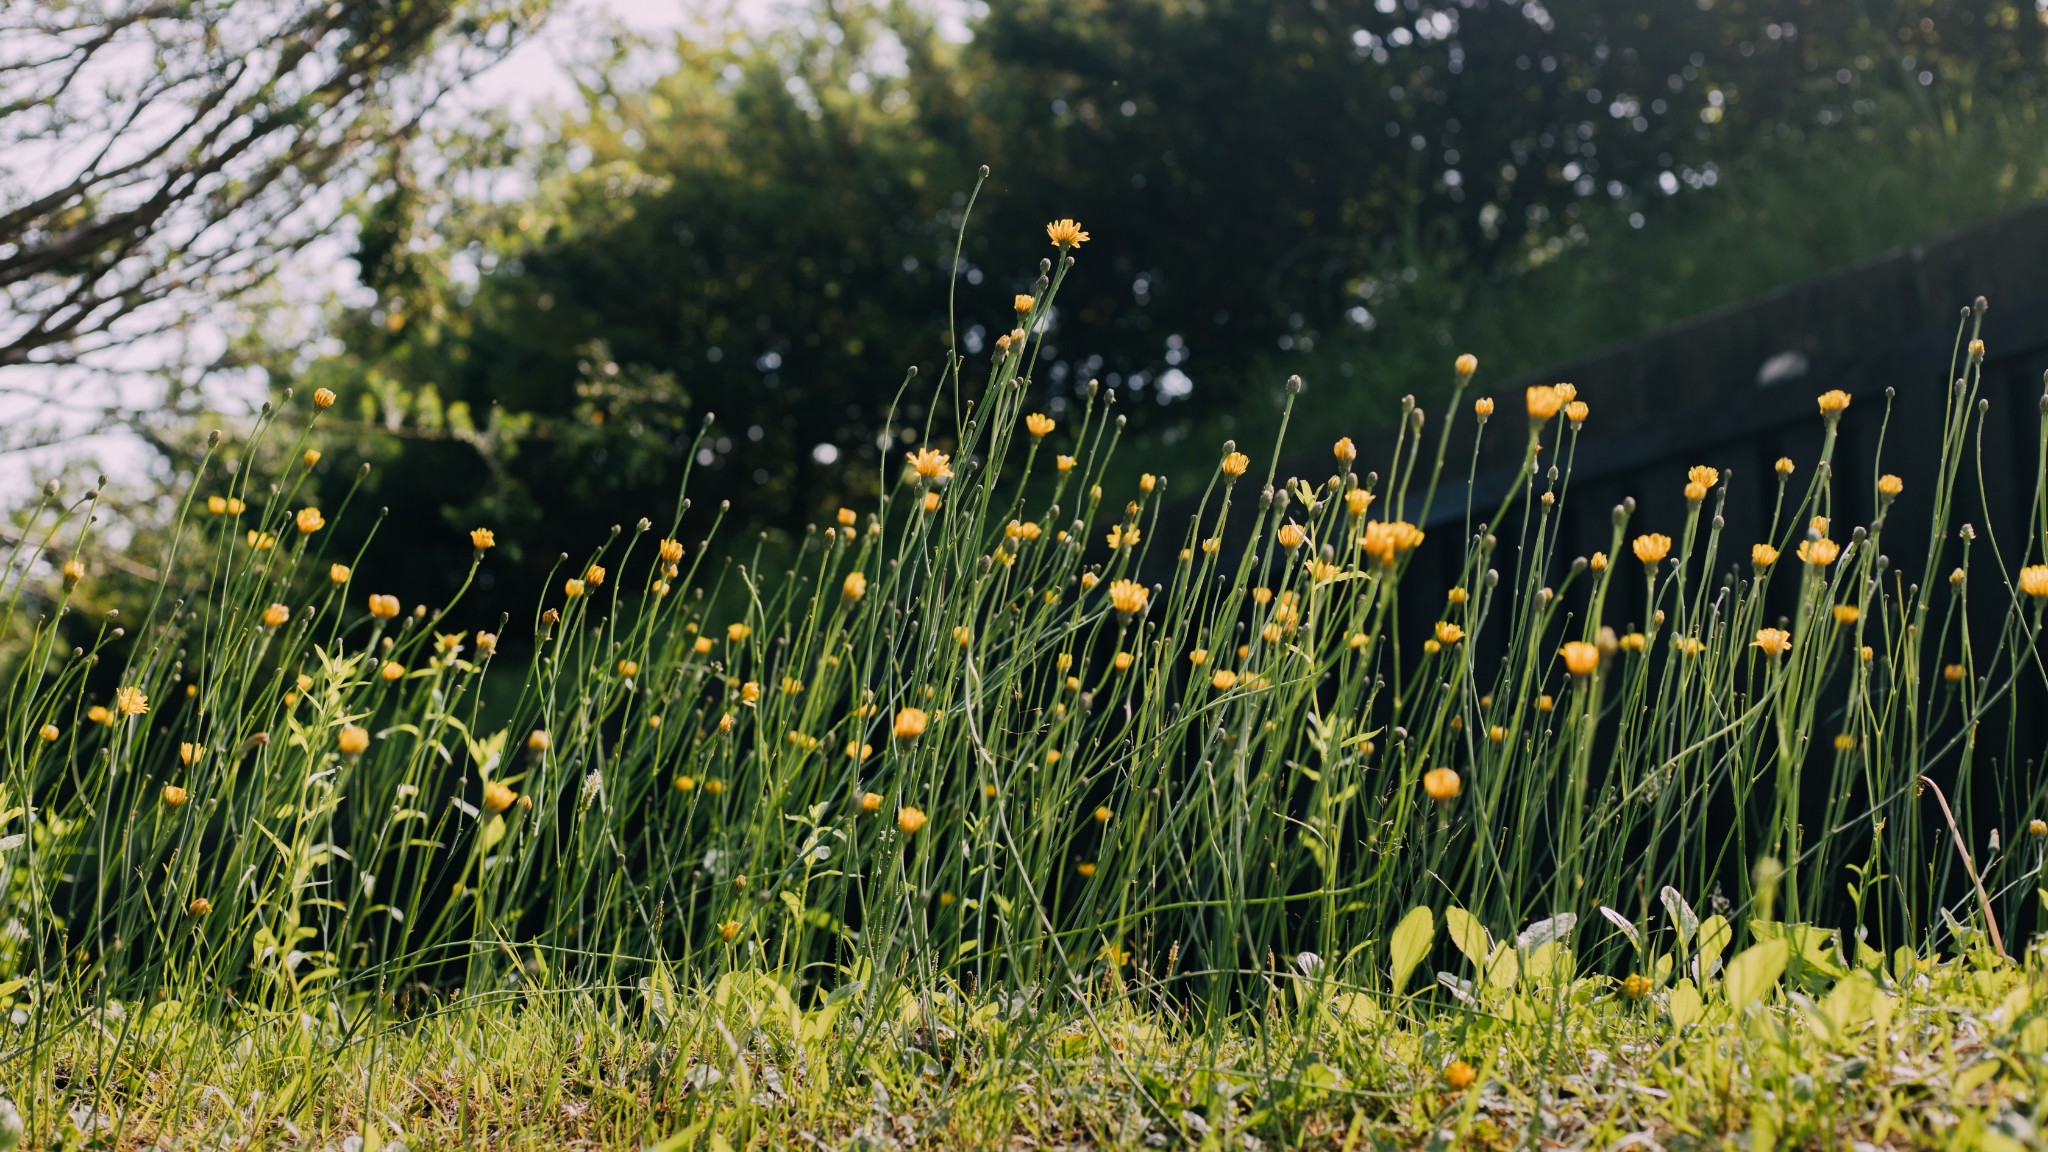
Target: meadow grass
1012,811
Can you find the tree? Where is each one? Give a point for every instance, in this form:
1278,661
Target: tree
167,155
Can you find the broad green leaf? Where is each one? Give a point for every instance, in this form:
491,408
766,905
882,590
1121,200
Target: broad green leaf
1715,936
1685,1005
1411,942
1682,917
1851,1002
1558,927
1504,966
1753,973
1355,1007
1469,935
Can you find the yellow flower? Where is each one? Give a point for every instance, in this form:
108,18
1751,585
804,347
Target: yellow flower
1065,463
74,571
1448,633
750,692
1704,476
910,820
1023,303
174,796
189,754
261,541
701,645
1762,556
1235,463
1198,657
482,538
1846,613
1483,407
311,456
309,521
1833,402
1460,1075
1636,986
911,723
930,466
1773,641
572,588
381,606
337,573
1064,233
49,733
1086,869
737,631
1122,537
1651,548
1386,541
2034,581
276,615
497,797
1102,814
1128,596
200,906
216,504
392,671
487,643
1580,658
1819,553
853,588
1598,563
1344,450
323,398
1543,401
99,714
1442,784
1224,680
1889,485
537,740
1576,412
629,668
1694,493
1545,703
594,576
1844,742
1466,365
1038,423
352,741
1291,536
130,701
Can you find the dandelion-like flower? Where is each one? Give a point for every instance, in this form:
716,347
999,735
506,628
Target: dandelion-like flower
1703,476
1889,486
1291,536
1128,596
1466,365
1483,407
1833,403
1576,412
1039,424
309,521
1234,464
49,733
1819,553
1344,450
381,606
853,587
930,466
910,819
1065,233
1122,536
1387,541
482,538
498,797
1543,401
572,588
911,723
1651,548
1762,556
2034,581
1448,633
1442,784
1357,501
1773,641
392,672
1580,658
352,740
173,796
1224,680
131,701
1847,613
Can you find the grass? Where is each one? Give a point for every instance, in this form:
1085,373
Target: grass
963,830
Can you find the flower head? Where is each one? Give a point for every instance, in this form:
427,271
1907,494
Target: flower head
337,573
1543,401
1235,463
1483,407
2034,581
572,588
381,606
498,797
930,466
1762,556
1651,547
1890,486
1387,541
1460,1075
49,733
853,588
1357,501
1833,403
352,740
1344,450
309,521
482,538
1128,596
1448,633
74,571
1466,365
910,819
1039,424
1442,784
1580,658
911,723
1291,536
1065,233
174,796
1576,412
1773,641
1022,303
1704,476
130,701
276,615
1819,553
1122,536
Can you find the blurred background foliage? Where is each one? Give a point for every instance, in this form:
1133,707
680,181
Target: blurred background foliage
761,225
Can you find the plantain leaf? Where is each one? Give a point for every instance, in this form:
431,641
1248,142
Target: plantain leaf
1411,942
